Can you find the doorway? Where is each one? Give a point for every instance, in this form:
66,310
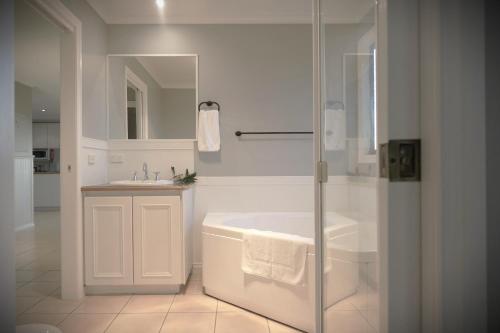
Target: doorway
37,160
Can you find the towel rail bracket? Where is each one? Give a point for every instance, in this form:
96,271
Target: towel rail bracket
209,104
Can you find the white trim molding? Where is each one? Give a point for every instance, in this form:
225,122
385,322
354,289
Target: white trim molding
155,144
96,144
71,133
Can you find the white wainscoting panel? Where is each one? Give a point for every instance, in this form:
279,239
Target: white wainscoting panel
261,194
23,180
363,198
94,161
128,156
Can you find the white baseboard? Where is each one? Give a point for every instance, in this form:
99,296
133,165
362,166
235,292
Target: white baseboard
47,209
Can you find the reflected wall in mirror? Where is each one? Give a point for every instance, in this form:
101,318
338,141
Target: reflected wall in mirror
359,72
152,97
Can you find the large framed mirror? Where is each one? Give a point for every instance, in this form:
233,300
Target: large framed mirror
152,96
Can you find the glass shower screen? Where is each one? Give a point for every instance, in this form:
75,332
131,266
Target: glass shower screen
347,49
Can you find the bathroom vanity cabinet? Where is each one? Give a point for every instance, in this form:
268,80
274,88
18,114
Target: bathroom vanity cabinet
137,239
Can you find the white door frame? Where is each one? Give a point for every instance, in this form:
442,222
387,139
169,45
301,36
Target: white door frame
454,184
71,132
142,117
398,202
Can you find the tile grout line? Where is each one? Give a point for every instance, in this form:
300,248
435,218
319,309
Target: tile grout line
366,319
126,303
166,315
116,314
111,322
216,315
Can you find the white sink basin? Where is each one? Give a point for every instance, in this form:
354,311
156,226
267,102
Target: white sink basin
142,182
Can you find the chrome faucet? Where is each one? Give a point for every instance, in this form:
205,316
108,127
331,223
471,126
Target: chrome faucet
145,169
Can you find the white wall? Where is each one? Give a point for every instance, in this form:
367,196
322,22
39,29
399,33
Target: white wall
24,141
94,51
178,120
262,77
94,161
7,245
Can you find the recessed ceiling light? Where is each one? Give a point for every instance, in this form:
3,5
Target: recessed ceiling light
160,3
43,110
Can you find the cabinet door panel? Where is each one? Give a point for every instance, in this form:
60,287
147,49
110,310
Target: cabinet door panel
53,135
40,135
157,240
108,241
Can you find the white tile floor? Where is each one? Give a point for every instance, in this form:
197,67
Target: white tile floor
38,301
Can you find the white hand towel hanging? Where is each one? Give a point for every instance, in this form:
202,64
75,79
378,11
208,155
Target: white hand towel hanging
208,130
335,129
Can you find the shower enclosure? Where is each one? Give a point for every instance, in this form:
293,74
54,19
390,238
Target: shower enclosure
345,96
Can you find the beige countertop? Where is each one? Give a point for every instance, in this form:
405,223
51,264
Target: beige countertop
115,187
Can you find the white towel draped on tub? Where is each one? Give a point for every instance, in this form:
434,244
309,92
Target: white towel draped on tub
208,130
275,256
335,129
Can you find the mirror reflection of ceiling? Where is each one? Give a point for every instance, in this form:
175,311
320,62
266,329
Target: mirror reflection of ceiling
228,11
37,46
171,72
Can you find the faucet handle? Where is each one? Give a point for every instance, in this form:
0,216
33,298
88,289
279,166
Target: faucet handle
157,175
134,176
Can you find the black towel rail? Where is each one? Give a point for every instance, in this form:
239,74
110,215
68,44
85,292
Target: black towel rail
240,133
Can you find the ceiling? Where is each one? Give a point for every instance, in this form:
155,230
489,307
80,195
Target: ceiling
228,11
37,45
171,71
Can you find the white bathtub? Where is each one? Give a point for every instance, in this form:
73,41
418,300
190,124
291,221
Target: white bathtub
349,244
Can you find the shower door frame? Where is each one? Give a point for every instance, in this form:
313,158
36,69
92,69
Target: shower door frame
318,187
398,105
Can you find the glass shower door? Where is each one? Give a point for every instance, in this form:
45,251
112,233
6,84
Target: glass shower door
348,150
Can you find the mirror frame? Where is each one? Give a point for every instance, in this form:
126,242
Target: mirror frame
153,55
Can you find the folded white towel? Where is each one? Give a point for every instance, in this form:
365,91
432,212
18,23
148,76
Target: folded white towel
256,258
275,256
208,130
288,260
335,129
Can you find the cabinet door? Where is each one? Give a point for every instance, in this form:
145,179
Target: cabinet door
157,240
53,135
108,241
40,135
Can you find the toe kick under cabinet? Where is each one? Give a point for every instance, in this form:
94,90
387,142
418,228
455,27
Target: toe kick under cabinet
137,241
